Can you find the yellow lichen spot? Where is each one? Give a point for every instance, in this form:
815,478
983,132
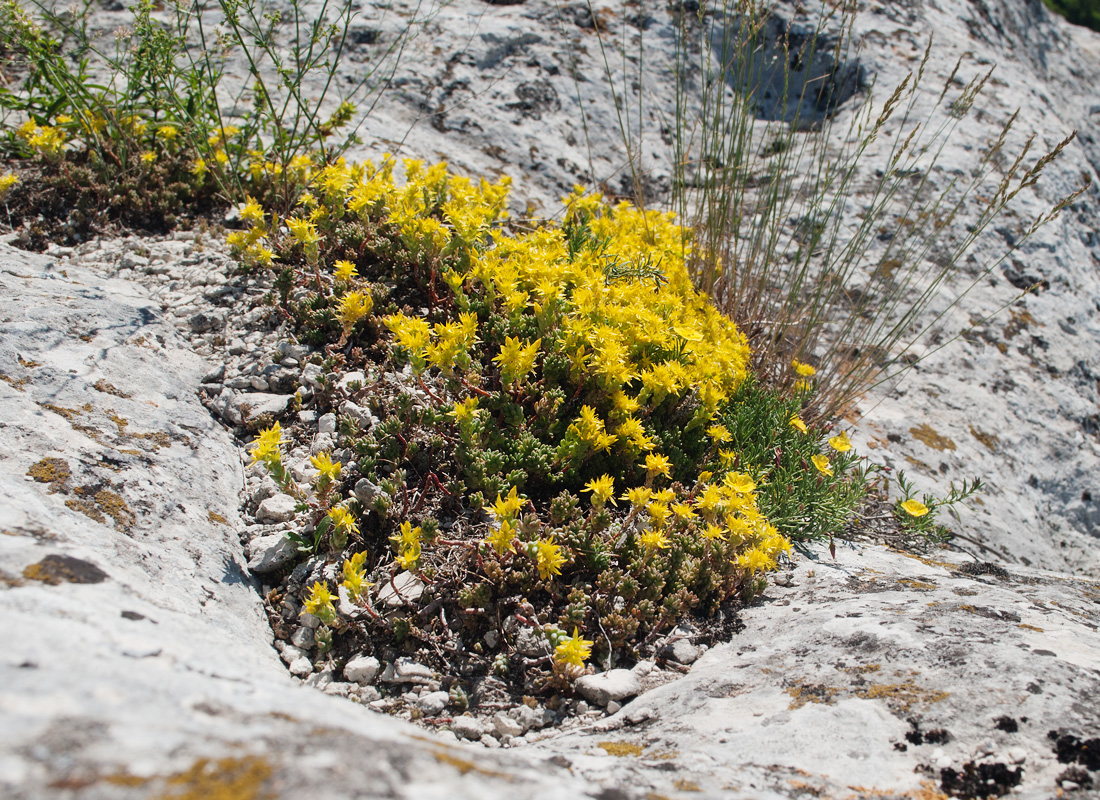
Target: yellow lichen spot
225,779
927,434
621,749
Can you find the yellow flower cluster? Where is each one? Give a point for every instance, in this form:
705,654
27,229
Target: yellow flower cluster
47,140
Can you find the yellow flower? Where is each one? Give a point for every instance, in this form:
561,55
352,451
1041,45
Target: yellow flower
303,230
683,511
914,508
266,446
712,532
638,496
840,442
199,168
343,520
657,464
148,157
755,560
658,512
739,482
508,507
719,433
319,603
252,212
548,558
653,540
516,360
355,576
501,538
803,370
603,489
822,464
329,469
407,542
7,182
464,410
168,132
574,650
345,271
353,307
798,424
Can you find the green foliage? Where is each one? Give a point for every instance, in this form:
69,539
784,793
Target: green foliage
145,128
1079,12
920,516
567,435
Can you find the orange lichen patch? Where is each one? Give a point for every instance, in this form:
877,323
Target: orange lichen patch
988,439
862,669
666,755
55,569
224,779
125,779
914,584
28,364
1020,321
214,516
685,785
621,749
801,694
54,471
1027,627
15,383
61,411
102,386
927,434
464,765
901,697
95,502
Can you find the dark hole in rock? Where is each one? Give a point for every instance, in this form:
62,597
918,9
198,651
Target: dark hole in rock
984,568
794,74
1070,749
934,736
980,780
1006,724
54,569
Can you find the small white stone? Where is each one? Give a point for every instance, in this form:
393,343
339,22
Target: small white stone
613,707
362,669
270,553
326,423
301,667
467,727
277,508
1017,755
433,703
506,726
602,688
302,638
309,620
405,589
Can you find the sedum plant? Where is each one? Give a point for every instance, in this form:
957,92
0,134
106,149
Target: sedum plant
569,444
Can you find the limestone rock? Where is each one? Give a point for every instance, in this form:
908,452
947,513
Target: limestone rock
270,553
603,687
277,508
362,670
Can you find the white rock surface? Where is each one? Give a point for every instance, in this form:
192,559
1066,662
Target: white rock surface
603,687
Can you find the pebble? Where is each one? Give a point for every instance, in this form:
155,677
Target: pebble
320,680
270,554
433,703
404,589
603,687
326,423
681,651
277,508
362,669
405,670
613,707
506,726
301,667
468,727
303,638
